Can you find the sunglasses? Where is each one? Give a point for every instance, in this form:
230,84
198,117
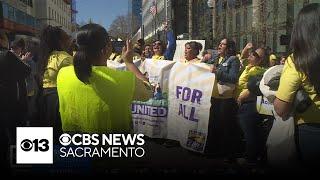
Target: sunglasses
157,43
255,54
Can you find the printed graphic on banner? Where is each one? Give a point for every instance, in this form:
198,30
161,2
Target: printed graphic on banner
34,145
190,89
150,118
196,140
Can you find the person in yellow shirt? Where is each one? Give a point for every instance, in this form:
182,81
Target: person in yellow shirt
53,56
191,52
159,50
223,132
94,98
249,118
302,71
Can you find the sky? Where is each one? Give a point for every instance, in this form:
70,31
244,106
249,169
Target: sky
100,11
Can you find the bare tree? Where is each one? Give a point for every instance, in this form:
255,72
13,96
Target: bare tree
120,27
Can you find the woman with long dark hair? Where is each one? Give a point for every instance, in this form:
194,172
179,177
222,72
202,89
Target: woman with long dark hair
94,98
53,56
223,131
302,71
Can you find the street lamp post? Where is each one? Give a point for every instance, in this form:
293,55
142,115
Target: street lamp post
212,5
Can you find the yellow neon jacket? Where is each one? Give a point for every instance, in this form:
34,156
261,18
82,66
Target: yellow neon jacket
103,106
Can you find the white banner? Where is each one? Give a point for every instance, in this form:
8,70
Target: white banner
264,106
150,118
190,89
121,66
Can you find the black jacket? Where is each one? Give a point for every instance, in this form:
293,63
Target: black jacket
12,84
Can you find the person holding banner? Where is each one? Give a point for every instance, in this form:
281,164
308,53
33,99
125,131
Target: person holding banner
158,47
223,130
191,52
147,52
94,98
301,72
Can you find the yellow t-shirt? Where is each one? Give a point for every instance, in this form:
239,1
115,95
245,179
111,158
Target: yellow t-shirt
157,57
291,80
246,74
195,60
57,60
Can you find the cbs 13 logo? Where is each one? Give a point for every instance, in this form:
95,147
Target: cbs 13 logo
35,145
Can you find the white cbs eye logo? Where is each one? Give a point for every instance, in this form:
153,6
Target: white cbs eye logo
26,145
38,145
65,139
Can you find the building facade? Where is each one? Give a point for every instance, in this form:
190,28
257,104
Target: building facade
265,23
56,13
135,15
18,17
152,24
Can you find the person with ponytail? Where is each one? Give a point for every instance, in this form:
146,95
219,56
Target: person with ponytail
53,56
302,72
94,98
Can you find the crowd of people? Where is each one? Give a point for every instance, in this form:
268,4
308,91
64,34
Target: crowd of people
68,86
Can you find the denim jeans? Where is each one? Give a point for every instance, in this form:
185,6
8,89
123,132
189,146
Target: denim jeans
309,144
255,133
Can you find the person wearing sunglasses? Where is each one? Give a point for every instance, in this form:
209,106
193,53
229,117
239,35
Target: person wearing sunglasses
159,51
248,116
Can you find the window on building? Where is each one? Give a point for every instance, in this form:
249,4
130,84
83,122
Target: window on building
5,10
20,18
27,2
11,15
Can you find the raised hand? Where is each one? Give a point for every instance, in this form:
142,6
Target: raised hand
249,46
26,57
127,52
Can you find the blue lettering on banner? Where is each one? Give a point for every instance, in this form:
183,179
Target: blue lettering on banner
153,111
265,101
192,95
